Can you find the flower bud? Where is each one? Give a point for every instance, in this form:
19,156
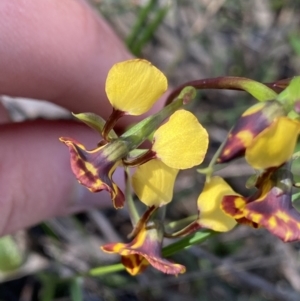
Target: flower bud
253,121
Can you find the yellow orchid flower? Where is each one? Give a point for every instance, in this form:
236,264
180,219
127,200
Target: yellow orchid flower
145,249
211,216
270,207
180,143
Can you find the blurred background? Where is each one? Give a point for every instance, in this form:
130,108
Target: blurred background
187,40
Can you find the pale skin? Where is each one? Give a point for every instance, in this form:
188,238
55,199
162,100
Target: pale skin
59,51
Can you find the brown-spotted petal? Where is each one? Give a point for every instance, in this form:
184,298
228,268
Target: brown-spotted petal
94,169
234,206
275,212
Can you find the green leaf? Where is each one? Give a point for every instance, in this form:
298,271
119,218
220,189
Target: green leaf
75,289
49,285
10,255
140,23
96,122
149,31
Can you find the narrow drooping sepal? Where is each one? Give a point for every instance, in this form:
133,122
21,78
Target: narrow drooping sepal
276,213
145,249
94,169
253,121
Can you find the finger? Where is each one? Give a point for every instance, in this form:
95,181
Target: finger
36,181
4,116
57,50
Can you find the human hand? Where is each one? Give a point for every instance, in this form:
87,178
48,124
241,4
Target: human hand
58,51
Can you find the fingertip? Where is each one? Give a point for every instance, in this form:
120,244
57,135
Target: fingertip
36,182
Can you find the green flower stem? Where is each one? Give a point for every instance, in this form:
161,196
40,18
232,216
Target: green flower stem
256,89
139,133
133,212
216,155
208,171
103,270
188,241
181,223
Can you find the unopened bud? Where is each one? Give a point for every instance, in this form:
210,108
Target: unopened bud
253,121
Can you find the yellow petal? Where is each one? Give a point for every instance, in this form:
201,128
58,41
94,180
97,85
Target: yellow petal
134,86
209,205
275,145
153,183
182,141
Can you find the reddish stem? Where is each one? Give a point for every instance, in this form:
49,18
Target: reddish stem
111,122
228,83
